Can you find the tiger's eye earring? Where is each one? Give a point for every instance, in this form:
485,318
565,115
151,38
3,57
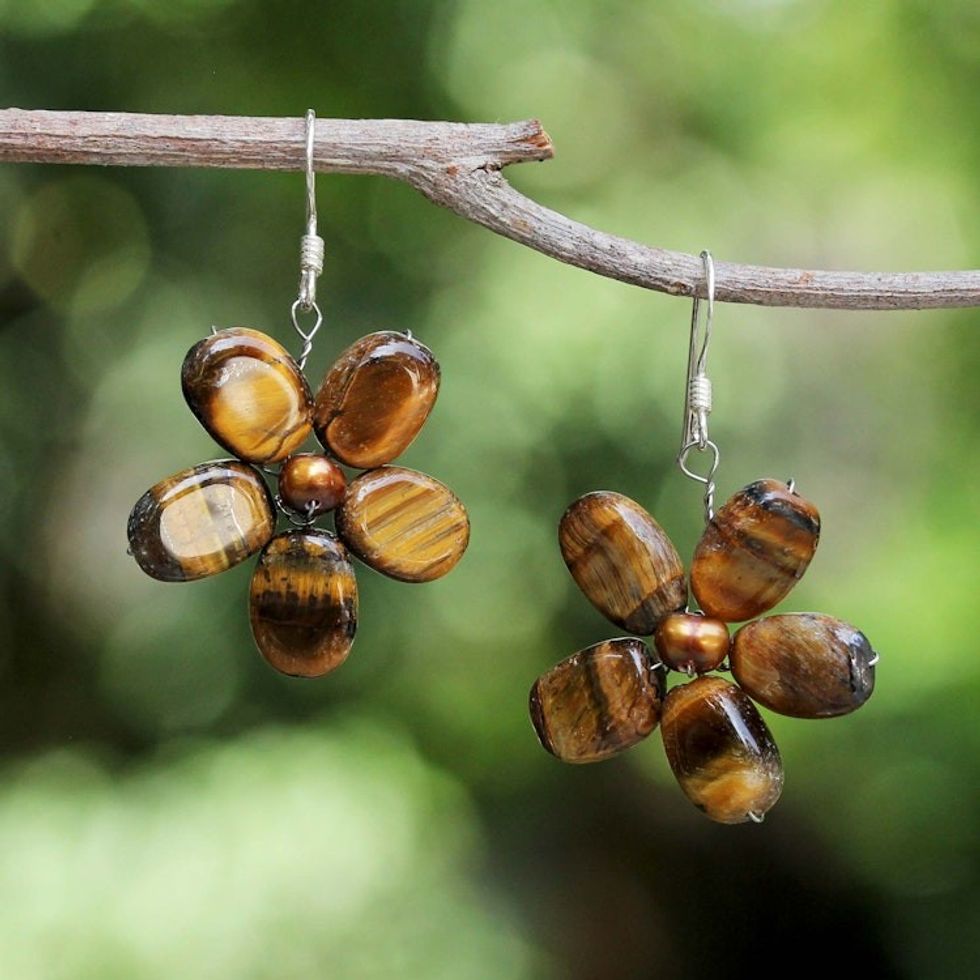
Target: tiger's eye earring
253,399
612,695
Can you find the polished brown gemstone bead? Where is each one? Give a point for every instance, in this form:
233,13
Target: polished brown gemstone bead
691,643
201,521
753,551
804,664
249,394
311,484
403,523
376,398
303,603
598,702
622,560
721,750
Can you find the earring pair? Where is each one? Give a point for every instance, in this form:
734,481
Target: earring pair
252,397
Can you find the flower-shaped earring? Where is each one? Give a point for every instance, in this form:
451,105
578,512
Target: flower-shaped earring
610,696
253,399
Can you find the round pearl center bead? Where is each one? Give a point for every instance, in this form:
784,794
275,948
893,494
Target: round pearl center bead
311,484
691,643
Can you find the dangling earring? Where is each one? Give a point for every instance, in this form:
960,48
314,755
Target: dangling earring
610,696
253,399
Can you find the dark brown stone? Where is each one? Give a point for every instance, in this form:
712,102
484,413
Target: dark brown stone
201,521
753,551
303,603
720,750
375,399
598,702
622,560
804,664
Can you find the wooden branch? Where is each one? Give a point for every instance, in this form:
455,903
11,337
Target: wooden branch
458,166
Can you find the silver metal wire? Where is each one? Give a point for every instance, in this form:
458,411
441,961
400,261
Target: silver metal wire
311,251
698,394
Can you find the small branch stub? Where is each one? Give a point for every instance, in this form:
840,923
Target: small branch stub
458,166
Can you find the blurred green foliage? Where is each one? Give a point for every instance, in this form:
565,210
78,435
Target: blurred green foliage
172,808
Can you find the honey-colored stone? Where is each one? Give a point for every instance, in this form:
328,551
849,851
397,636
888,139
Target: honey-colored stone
753,551
403,523
598,702
622,560
303,603
721,750
249,393
804,664
691,643
375,399
201,521
311,484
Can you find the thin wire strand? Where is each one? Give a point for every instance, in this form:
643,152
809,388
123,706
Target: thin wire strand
311,251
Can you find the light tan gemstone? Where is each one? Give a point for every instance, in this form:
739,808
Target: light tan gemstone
403,523
249,393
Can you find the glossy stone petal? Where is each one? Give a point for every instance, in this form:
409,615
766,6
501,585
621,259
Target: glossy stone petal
403,523
598,702
311,484
201,521
622,560
249,393
376,398
720,750
753,551
804,664
303,603
691,643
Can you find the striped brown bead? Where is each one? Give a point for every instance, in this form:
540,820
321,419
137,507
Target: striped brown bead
622,560
303,603
375,399
598,702
753,551
691,643
804,664
403,523
201,521
249,393
720,750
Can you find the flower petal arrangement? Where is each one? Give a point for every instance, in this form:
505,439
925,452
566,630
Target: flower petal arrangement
253,399
612,695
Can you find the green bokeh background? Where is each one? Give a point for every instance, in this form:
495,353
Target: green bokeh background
169,807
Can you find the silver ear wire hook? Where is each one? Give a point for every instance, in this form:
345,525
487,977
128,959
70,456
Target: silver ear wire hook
311,251
697,393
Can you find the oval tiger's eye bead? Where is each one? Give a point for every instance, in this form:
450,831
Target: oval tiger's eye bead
303,603
598,702
622,560
804,665
720,750
691,643
376,398
311,484
404,524
249,393
753,551
201,521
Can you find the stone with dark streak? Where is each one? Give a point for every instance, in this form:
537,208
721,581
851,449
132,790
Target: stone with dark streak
622,560
375,399
598,702
753,551
403,523
303,603
720,750
201,521
805,665
249,393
